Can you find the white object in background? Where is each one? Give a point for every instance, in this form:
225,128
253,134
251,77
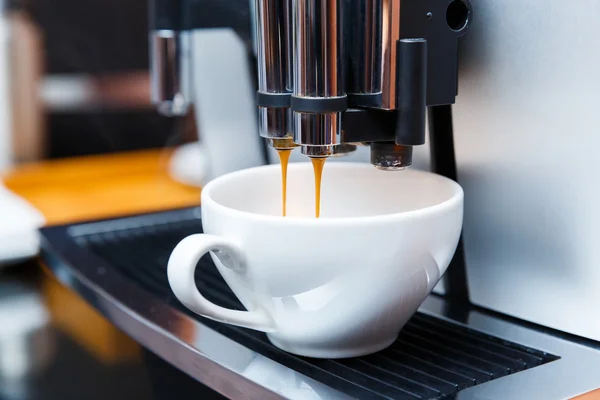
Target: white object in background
27,340
226,117
19,221
19,224
299,275
67,92
189,164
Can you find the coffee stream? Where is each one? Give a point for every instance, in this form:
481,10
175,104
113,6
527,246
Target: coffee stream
318,163
284,158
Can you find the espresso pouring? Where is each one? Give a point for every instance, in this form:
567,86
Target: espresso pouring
318,164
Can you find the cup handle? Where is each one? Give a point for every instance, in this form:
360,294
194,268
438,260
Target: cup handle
180,271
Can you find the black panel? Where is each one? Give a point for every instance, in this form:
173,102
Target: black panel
443,162
427,19
92,37
235,14
166,14
109,132
432,358
169,383
369,125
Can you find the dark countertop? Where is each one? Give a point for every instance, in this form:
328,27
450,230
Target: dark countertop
68,368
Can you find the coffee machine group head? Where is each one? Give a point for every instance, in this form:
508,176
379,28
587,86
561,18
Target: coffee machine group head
332,74
336,73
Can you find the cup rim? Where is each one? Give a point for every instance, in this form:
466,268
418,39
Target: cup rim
206,199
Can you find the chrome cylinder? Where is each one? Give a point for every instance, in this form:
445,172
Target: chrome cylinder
318,74
168,72
372,33
274,124
274,56
364,34
273,34
390,34
318,48
323,129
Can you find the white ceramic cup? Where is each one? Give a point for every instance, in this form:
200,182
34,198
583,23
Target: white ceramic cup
339,286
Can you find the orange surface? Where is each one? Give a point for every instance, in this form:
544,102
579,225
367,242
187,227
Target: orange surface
594,395
88,188
94,187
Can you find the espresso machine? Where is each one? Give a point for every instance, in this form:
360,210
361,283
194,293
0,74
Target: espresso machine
324,91
395,81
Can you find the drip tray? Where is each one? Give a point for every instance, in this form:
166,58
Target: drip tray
432,358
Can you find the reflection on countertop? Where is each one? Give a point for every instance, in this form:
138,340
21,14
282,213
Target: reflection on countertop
54,346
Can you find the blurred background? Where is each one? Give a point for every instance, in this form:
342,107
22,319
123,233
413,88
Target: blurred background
82,83
77,131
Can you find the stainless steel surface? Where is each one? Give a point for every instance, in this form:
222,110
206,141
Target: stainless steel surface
372,34
318,58
274,123
526,141
390,35
364,38
576,372
282,144
326,151
318,33
318,134
346,149
273,49
240,373
168,68
274,56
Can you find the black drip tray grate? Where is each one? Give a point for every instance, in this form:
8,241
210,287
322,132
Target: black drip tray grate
432,358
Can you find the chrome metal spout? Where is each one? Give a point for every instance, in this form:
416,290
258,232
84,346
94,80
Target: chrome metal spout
319,97
273,24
